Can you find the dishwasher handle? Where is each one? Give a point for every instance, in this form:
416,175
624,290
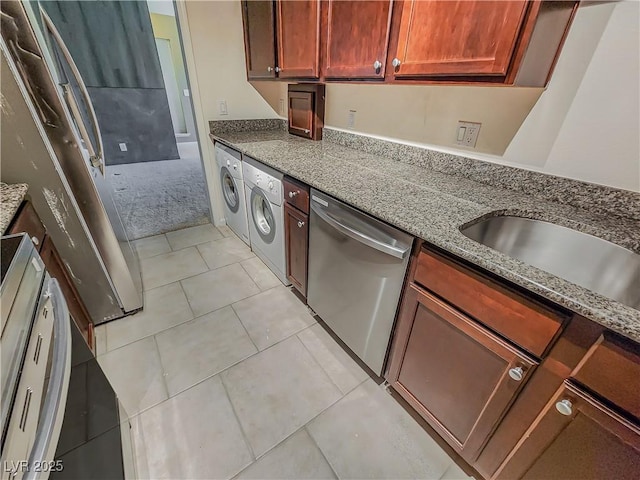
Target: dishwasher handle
359,236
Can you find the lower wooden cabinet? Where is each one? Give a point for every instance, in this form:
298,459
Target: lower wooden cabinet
27,221
576,437
296,228
460,377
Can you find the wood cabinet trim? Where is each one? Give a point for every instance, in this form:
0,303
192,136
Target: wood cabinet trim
502,395
549,424
286,72
362,69
263,74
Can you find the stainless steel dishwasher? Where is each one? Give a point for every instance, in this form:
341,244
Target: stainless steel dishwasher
357,266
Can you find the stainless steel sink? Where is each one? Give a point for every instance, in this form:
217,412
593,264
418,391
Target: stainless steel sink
588,261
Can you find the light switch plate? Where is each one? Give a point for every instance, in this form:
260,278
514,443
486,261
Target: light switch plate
351,119
282,109
222,107
467,134
123,147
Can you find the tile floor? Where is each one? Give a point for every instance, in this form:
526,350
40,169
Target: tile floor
226,374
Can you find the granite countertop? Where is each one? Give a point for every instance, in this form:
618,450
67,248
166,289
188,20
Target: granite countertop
11,196
434,206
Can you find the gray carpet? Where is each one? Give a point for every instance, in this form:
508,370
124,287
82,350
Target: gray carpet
159,197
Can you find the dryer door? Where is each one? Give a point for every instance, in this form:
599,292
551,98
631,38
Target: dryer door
230,189
262,216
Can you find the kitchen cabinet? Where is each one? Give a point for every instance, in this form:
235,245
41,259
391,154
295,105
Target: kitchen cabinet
27,221
357,35
296,228
298,39
471,37
258,17
510,42
459,376
513,42
576,437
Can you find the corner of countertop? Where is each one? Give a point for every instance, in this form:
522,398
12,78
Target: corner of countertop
11,197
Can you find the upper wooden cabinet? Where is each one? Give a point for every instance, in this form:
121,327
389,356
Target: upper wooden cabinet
258,17
511,42
470,37
298,27
357,35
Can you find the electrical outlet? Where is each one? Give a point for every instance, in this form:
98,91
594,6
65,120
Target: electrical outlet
351,119
467,134
123,147
222,107
185,92
282,110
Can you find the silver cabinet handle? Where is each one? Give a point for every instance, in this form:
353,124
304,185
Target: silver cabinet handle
97,154
377,65
306,130
396,62
269,69
565,407
516,373
293,194
35,240
300,224
278,69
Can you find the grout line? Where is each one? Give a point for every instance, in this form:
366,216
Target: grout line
326,459
235,413
304,345
244,327
162,371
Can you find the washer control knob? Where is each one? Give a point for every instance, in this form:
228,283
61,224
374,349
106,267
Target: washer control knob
235,166
270,185
228,163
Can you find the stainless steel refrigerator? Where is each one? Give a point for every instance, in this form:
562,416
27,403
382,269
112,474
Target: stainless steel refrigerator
58,99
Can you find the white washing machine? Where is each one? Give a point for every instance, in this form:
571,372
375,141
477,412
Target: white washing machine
235,207
265,197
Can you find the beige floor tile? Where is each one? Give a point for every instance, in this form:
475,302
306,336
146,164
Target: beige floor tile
298,457
135,373
202,347
226,231
369,435
224,252
215,289
454,472
260,273
276,392
171,267
273,316
340,367
152,246
188,237
164,307
101,339
192,435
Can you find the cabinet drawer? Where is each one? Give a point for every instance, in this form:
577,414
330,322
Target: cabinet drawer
27,221
612,370
296,194
525,322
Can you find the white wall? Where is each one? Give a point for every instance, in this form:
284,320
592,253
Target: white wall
586,125
214,53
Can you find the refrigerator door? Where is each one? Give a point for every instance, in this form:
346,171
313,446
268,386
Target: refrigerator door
63,103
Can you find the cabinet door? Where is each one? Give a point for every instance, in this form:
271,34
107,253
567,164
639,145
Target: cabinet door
298,38
296,226
465,37
258,18
459,376
357,36
576,437
56,268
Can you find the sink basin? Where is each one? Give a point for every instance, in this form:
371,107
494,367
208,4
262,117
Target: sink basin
588,261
